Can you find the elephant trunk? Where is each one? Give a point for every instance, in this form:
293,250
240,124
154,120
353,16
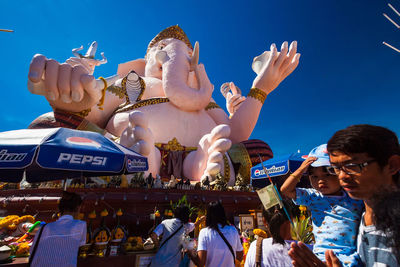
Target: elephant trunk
176,88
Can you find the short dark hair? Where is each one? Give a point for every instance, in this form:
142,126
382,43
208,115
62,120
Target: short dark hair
182,213
386,207
378,142
69,202
275,217
215,215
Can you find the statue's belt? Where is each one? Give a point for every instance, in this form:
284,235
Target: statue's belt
153,101
147,102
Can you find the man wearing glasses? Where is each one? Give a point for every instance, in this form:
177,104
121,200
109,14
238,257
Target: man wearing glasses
366,159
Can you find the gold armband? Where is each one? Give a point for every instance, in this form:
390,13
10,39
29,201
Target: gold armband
103,94
257,94
212,105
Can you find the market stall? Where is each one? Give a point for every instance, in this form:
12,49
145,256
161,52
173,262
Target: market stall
138,207
33,161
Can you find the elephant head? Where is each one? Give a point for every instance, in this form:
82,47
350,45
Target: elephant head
171,59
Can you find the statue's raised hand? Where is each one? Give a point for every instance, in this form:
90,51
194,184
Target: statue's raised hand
66,87
272,67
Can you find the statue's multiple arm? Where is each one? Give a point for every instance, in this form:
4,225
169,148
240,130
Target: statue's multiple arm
270,74
72,89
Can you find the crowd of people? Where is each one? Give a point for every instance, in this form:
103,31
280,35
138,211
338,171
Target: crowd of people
354,204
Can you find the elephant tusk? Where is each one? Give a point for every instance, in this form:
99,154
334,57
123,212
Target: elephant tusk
162,57
194,61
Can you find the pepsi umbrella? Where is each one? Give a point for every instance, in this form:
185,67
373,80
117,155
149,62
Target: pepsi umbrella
278,167
59,153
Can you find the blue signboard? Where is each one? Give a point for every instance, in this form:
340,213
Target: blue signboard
277,166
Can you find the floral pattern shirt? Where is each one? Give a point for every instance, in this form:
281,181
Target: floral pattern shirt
335,223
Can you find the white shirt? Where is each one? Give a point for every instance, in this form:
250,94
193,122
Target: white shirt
273,255
169,254
164,225
59,243
218,253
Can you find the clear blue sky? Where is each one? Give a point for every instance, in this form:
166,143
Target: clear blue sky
345,76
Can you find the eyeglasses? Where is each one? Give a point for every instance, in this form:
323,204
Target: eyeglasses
351,168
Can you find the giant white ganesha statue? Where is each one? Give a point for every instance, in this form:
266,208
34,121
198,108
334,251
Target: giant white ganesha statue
162,106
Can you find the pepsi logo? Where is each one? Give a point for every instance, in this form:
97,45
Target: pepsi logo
271,170
82,141
135,163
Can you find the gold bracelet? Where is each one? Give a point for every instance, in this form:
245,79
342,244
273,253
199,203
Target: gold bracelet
103,94
298,179
257,94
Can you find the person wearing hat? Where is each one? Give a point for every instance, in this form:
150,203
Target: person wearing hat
335,216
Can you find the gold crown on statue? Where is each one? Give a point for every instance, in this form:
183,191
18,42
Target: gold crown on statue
171,32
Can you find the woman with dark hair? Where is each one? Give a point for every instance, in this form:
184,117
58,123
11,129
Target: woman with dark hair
273,251
172,231
57,243
219,243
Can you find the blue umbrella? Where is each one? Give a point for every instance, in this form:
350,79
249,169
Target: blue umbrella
59,153
277,167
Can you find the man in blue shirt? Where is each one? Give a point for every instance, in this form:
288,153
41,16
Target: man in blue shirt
366,159
59,242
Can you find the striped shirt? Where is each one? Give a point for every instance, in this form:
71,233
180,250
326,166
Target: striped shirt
59,243
372,248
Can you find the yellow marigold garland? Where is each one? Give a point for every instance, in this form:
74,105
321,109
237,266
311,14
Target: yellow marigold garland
260,233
